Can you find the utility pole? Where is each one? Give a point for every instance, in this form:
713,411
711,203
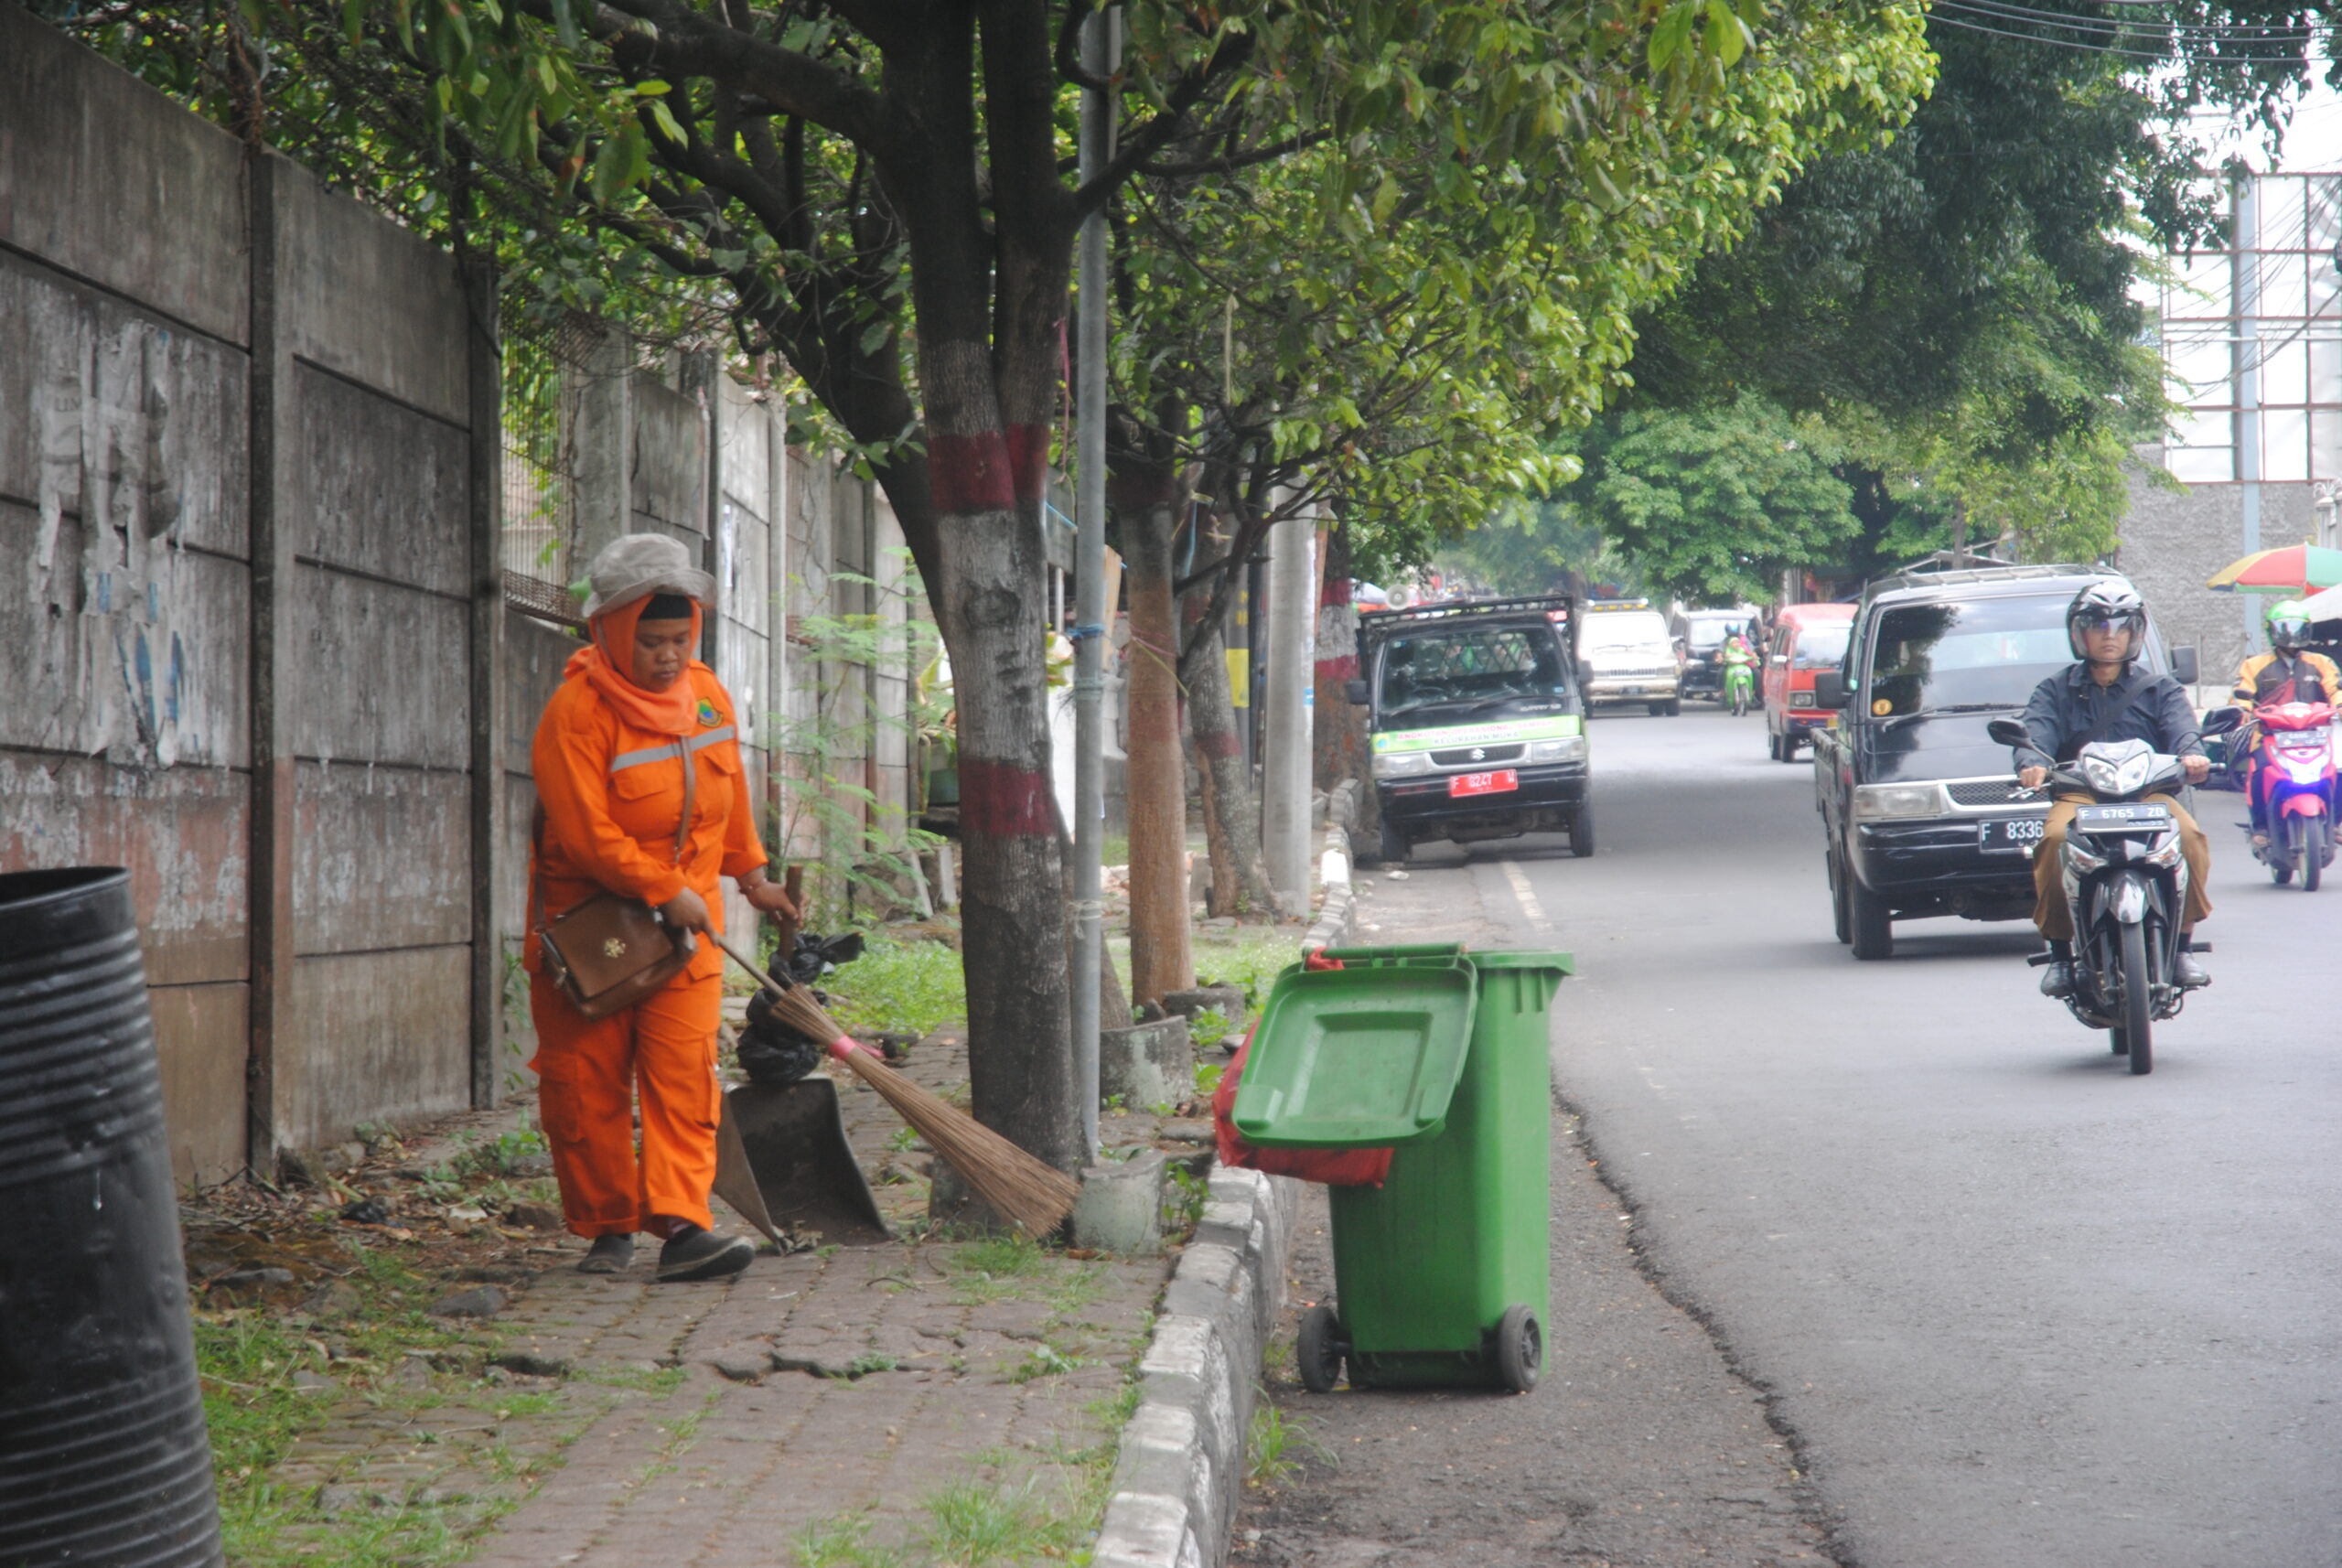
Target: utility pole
1100,56
1290,704
2244,345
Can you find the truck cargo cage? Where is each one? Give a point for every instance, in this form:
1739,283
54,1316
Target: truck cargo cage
1382,623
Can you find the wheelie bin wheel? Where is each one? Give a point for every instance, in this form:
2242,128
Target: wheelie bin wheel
1320,1351
1521,1348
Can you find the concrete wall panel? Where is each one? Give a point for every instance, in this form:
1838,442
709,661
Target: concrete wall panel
108,408
668,485
382,857
368,300
376,1037
382,673
180,831
534,657
383,488
135,652
200,1037
110,180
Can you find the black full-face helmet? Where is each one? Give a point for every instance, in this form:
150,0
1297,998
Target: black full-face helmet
2108,605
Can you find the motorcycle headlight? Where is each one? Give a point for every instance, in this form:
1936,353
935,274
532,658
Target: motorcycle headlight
2079,856
1396,764
1874,801
2118,778
1568,748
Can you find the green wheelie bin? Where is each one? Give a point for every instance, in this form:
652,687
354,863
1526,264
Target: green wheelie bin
1441,1275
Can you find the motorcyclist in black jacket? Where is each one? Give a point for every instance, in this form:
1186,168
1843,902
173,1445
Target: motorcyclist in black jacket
2100,699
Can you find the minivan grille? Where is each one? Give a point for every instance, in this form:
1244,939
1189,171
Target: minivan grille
1984,791
1472,755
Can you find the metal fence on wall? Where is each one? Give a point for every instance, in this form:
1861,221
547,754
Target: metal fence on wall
544,368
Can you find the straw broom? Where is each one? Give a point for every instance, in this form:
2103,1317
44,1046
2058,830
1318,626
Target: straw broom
1020,1189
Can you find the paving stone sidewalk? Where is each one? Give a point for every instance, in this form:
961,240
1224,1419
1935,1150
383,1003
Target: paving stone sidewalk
864,1406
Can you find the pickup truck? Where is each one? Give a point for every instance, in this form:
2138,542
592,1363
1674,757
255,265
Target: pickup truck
1476,722
1919,810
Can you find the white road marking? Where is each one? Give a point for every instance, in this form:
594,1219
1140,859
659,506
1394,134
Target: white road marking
1527,898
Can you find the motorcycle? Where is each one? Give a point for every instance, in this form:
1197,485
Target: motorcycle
2126,882
1739,686
2292,785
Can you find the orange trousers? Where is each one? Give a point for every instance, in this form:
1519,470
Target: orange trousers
588,1073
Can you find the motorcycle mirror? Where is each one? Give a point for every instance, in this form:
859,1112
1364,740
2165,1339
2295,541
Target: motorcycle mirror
1355,689
2008,732
2222,721
2183,664
1829,689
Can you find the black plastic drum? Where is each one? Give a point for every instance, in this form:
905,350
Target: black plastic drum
103,1454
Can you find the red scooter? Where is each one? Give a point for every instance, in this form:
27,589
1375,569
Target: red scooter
2293,789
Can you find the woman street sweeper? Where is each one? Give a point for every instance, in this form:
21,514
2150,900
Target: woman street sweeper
642,806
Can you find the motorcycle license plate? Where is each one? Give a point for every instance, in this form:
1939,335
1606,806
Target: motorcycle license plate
1496,783
2009,835
2138,816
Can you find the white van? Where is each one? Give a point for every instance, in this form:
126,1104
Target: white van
1626,654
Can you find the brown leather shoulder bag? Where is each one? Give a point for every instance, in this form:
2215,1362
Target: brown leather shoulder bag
610,952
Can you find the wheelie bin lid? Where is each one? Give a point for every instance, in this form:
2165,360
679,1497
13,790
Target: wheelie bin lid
1356,1057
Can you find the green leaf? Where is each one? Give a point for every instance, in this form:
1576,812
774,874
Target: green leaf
1727,39
609,176
565,25
1674,31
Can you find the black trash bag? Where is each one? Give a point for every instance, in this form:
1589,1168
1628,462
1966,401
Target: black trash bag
815,956
771,1053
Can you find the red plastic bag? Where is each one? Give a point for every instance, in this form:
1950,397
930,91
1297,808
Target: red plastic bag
1334,1167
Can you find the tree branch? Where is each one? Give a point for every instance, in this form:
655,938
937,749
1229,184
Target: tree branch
1267,153
1069,61
1156,134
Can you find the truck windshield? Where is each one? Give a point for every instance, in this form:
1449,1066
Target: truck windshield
1822,647
1482,667
1991,651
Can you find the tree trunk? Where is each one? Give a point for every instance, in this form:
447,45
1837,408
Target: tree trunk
988,302
1162,954
1240,879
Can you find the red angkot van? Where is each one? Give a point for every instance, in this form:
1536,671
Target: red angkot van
1810,639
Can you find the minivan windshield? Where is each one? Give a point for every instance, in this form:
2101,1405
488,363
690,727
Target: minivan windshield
1822,646
1627,628
1469,667
1705,634
1985,653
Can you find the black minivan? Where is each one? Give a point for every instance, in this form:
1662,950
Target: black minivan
1919,809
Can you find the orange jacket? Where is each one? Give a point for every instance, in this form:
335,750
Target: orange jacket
613,796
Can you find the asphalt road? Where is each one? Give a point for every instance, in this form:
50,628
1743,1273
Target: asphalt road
2009,1306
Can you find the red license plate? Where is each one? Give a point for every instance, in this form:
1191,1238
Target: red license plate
1496,783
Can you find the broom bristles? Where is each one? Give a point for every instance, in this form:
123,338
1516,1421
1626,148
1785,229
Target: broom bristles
1017,1187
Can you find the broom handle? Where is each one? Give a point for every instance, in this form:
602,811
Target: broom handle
745,962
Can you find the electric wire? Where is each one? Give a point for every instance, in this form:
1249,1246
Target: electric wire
1938,13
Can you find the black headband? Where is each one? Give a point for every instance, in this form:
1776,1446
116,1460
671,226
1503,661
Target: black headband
667,607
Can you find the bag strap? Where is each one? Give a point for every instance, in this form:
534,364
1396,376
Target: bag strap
2123,700
537,835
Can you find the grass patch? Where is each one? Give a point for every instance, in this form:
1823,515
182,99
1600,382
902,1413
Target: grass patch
973,1525
247,1361
843,1540
1273,1446
903,987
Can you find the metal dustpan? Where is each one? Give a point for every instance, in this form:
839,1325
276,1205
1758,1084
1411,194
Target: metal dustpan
782,1162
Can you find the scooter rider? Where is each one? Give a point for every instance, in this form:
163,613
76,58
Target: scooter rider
1739,655
2101,699
2287,675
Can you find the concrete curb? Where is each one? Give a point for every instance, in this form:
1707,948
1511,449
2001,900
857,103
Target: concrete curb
1335,924
1179,1474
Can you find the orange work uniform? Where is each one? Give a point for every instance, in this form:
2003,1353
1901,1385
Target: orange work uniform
613,795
